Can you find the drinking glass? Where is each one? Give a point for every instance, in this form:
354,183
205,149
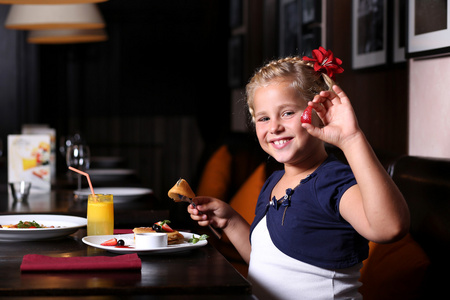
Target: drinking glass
20,190
78,156
100,215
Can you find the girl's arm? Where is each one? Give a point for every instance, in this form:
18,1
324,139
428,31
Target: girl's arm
220,215
375,207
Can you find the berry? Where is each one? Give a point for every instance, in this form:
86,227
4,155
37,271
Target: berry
162,226
111,242
167,228
306,115
156,228
120,243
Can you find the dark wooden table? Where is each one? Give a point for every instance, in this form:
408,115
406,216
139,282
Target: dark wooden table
202,273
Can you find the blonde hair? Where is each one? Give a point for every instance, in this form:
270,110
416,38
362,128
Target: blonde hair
298,73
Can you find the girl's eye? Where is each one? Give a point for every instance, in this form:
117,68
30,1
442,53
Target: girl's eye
263,119
288,113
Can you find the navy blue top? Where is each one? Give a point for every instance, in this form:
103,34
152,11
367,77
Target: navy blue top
312,230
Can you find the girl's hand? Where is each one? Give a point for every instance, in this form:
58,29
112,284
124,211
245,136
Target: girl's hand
337,115
210,211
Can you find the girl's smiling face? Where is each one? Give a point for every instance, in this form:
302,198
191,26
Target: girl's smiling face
277,111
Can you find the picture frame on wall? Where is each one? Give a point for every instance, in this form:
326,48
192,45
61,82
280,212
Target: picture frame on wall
311,11
399,38
289,27
311,39
369,33
235,61
235,13
428,28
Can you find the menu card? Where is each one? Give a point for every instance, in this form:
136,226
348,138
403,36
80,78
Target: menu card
45,129
29,160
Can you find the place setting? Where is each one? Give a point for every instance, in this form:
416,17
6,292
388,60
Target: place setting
33,227
145,243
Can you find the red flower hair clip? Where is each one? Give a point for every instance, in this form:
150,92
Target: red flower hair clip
325,61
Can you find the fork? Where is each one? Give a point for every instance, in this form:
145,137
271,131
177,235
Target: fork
189,200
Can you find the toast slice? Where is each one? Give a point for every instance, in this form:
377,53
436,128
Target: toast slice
180,189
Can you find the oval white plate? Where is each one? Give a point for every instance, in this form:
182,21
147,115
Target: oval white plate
106,161
96,240
120,194
110,174
65,225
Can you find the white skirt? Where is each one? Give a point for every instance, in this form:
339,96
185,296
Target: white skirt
274,275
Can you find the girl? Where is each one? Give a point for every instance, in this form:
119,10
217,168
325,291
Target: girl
314,218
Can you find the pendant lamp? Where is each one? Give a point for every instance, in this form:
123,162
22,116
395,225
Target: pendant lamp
61,16
66,36
49,1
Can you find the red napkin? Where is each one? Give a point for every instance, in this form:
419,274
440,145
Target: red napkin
123,231
36,262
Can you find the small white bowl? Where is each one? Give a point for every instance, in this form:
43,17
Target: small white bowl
150,240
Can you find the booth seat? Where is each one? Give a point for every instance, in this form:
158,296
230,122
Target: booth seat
411,268
425,184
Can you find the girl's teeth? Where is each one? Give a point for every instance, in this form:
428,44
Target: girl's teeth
280,142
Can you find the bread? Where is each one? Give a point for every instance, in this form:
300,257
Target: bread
172,237
180,189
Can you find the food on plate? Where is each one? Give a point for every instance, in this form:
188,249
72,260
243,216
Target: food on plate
26,224
113,242
173,236
180,189
195,239
306,115
110,242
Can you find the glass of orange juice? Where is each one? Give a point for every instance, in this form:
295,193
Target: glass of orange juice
100,215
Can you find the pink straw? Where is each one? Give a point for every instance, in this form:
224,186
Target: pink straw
85,174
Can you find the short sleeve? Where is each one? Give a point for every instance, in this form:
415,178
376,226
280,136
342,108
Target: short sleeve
330,185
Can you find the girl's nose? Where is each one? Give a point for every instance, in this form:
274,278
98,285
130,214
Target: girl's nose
275,126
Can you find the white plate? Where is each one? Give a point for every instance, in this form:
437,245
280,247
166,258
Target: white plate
106,161
109,174
96,240
65,225
120,194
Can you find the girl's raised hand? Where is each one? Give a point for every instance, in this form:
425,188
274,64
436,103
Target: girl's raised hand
337,115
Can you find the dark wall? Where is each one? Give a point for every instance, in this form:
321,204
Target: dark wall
153,93
162,58
18,80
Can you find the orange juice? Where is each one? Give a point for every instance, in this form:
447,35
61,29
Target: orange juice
100,215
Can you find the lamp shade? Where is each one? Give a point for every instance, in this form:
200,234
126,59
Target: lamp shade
61,16
66,36
49,1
